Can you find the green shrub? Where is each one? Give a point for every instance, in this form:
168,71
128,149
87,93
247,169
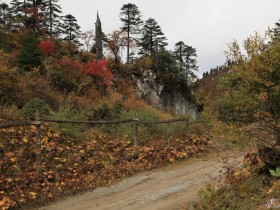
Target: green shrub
29,109
29,55
71,130
146,132
105,112
144,115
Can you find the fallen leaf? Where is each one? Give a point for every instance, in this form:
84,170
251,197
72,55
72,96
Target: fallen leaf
25,140
9,180
50,195
32,195
2,203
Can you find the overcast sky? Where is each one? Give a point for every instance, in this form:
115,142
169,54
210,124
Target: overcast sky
207,25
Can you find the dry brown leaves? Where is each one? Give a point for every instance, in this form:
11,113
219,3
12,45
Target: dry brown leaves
71,167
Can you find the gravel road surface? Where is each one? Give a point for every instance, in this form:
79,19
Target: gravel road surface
168,188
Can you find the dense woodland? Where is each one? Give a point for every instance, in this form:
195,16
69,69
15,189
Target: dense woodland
48,64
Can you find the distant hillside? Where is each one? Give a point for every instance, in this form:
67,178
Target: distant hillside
208,85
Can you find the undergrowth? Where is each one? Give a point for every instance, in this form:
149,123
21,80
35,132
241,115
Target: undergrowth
252,193
71,167
242,188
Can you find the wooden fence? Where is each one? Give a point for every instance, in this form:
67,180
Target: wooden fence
40,121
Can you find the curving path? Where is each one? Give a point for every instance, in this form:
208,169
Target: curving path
167,188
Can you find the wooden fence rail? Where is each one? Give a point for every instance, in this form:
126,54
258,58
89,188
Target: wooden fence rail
42,121
164,121
39,121
15,124
89,122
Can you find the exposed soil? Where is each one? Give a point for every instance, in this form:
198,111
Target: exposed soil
171,187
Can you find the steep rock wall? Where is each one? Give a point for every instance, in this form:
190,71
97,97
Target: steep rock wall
175,103
154,92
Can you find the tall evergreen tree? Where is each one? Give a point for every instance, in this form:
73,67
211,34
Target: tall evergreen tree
178,54
33,20
190,62
25,13
17,14
29,55
276,30
51,16
4,14
71,29
186,60
131,19
152,40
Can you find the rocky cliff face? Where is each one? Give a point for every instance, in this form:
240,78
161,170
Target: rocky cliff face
154,92
177,104
148,89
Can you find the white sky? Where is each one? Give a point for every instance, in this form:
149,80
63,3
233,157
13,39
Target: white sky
207,25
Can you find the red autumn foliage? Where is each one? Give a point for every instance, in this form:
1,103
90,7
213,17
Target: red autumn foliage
99,69
47,47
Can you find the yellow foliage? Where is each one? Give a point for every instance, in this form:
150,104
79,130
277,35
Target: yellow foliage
25,140
6,203
133,103
4,59
32,195
276,185
146,62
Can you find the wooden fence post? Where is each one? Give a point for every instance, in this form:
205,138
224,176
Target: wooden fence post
38,142
136,123
187,124
167,133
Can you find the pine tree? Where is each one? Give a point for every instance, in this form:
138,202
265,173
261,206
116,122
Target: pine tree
178,53
276,30
29,55
131,18
153,40
190,62
17,14
4,14
33,19
71,29
51,16
186,60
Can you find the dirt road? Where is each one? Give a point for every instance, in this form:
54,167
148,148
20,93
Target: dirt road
166,188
